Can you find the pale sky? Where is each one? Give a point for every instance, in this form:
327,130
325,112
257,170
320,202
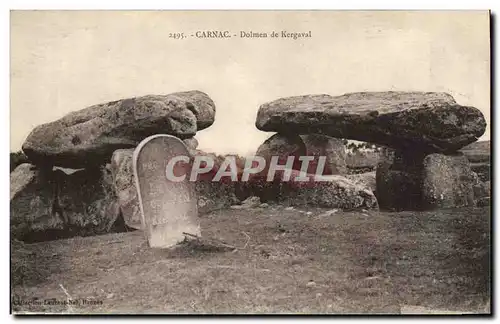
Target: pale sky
64,61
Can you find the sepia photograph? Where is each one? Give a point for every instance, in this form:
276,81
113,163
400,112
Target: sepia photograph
332,162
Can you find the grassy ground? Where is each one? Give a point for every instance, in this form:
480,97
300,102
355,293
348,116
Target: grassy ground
296,261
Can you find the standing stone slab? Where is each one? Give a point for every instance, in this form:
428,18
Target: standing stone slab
168,208
332,148
447,181
124,186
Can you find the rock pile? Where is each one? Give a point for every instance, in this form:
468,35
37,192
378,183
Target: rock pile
422,131
100,197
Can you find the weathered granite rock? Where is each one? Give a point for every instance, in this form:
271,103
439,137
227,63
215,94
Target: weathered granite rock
49,204
337,192
410,181
283,146
361,162
211,195
191,143
88,137
124,187
86,201
332,148
447,181
421,121
250,202
314,145
367,179
32,195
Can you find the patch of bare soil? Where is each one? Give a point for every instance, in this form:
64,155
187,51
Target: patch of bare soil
285,261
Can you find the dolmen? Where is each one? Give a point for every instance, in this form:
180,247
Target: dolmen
422,132
78,179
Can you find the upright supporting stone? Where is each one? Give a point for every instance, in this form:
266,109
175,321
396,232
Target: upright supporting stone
411,181
332,148
398,180
447,181
168,208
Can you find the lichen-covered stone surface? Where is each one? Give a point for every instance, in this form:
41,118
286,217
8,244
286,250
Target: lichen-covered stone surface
87,201
361,162
367,179
51,204
124,187
336,192
447,181
32,195
313,145
191,143
332,148
282,146
410,181
423,121
88,137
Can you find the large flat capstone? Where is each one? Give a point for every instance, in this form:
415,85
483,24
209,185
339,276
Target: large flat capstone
421,121
90,136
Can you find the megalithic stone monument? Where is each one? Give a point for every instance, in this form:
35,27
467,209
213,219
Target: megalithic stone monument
168,208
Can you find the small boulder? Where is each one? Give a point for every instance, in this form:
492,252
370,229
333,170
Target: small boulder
336,192
367,179
250,202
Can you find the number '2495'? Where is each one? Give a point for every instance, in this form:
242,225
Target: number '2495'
176,35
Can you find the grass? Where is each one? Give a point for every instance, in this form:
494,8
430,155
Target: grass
294,262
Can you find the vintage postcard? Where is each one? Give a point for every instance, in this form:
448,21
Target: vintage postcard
250,162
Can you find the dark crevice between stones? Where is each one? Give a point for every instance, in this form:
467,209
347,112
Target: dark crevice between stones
403,179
